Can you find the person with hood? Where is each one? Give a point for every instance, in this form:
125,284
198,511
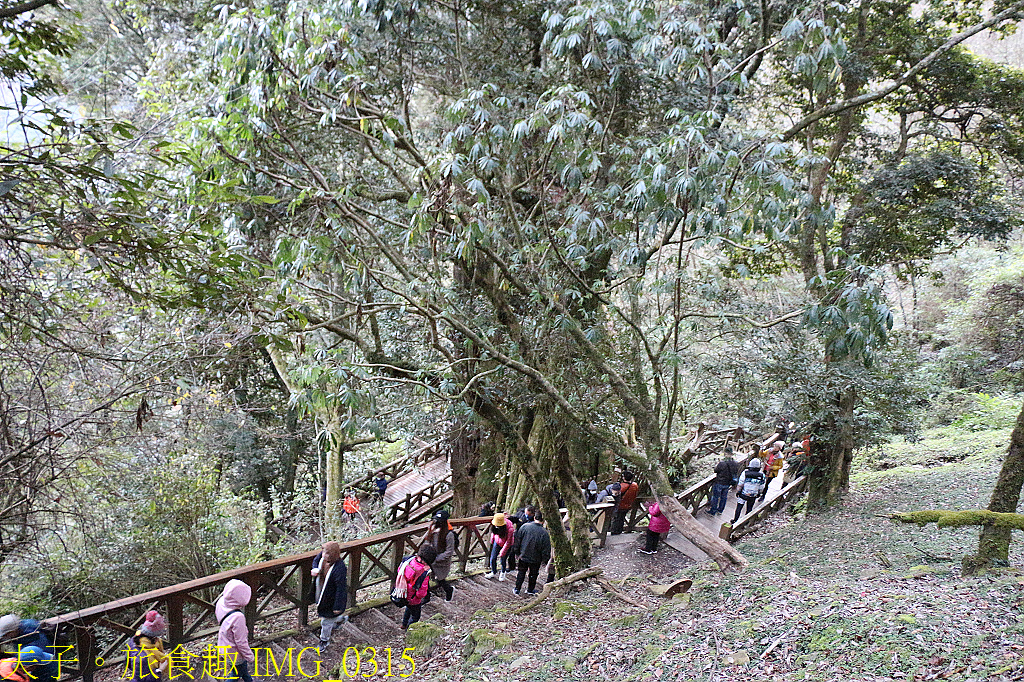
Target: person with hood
413,583
751,483
532,548
26,665
330,590
659,524
27,632
503,534
147,649
233,636
443,538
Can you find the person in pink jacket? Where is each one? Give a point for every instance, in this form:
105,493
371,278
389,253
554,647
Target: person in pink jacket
234,631
503,534
659,524
413,583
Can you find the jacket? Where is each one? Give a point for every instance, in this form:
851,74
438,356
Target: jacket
659,522
413,568
506,542
9,671
727,471
234,632
442,565
150,654
629,492
533,544
774,464
330,591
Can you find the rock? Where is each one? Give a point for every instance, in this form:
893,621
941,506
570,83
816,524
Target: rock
671,589
738,658
519,663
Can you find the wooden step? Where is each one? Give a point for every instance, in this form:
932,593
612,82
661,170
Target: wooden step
382,622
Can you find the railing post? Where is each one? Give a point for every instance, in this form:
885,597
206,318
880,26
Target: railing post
397,560
466,543
175,619
353,575
305,587
85,642
606,526
253,580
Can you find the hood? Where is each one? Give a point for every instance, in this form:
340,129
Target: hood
236,595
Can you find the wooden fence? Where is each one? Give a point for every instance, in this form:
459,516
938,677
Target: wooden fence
731,531
99,633
420,504
423,454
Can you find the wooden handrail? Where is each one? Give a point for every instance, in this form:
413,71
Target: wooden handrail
101,631
392,469
747,521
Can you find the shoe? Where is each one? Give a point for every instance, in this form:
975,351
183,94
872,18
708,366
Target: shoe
501,577
644,551
515,590
450,595
533,592
323,646
488,575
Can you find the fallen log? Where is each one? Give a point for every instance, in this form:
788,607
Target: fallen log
561,582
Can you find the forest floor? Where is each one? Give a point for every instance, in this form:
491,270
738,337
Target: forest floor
843,595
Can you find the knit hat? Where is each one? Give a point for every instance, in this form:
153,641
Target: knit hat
498,520
154,624
754,463
33,655
9,625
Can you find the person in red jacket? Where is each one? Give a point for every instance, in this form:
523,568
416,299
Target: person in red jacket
627,496
659,524
413,583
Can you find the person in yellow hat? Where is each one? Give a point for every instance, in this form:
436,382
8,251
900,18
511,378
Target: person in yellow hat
503,533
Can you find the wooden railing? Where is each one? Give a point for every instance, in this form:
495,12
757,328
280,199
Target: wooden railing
600,520
420,504
99,633
731,531
424,453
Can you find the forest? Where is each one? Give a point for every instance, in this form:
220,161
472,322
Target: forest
250,252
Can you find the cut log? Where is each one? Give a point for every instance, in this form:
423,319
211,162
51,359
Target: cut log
671,589
548,587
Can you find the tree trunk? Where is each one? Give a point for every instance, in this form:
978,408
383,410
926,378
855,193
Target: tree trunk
464,458
994,542
831,458
332,476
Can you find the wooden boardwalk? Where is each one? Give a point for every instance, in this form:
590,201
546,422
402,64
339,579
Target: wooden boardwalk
416,480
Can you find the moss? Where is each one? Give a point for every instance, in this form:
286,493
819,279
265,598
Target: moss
906,618
564,608
481,642
423,635
956,519
627,621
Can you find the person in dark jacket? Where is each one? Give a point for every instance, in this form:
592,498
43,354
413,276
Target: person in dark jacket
727,474
330,590
29,633
532,548
382,486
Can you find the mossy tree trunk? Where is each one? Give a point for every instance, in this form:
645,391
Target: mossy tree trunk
464,443
832,456
994,541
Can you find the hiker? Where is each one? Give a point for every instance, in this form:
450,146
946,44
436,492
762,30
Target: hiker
28,632
26,666
590,494
443,538
627,497
350,506
413,583
146,648
727,474
610,492
233,635
503,534
487,509
772,466
658,524
382,486
329,590
751,482
532,548
521,516
797,463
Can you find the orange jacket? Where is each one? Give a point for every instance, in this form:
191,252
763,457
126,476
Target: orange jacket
351,505
10,670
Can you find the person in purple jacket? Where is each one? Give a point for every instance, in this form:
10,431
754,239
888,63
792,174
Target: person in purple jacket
659,524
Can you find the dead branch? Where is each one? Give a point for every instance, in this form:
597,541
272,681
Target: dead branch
561,582
611,589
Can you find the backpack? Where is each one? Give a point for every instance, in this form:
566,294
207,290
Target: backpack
752,485
402,602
